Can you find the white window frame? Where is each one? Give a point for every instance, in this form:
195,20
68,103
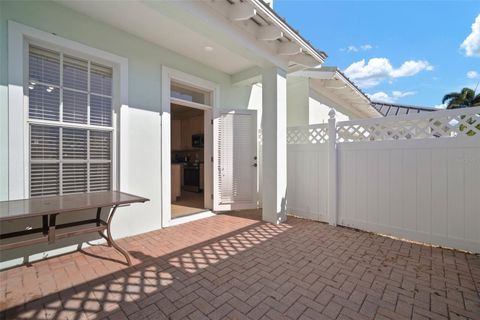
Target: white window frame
19,38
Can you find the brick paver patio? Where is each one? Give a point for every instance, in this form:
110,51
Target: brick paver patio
237,267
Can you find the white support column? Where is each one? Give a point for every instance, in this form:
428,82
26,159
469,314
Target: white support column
332,168
274,147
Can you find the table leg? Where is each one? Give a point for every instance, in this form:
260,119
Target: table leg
51,228
99,211
45,225
109,235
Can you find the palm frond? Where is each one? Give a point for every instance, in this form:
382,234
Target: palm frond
450,96
463,99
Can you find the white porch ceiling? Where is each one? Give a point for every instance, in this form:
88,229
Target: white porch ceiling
158,27
228,35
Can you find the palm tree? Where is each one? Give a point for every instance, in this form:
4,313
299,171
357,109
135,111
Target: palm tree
463,99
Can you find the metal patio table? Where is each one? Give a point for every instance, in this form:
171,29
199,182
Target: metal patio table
50,207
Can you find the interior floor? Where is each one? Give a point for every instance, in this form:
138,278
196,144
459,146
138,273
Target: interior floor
188,203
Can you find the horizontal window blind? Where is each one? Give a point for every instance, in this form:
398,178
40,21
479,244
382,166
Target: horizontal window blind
65,90
75,73
101,80
74,144
100,142
75,106
74,177
44,66
68,156
44,143
100,176
44,102
44,179
101,111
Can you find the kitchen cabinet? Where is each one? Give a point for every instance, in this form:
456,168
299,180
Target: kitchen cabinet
197,124
176,132
189,127
176,183
186,135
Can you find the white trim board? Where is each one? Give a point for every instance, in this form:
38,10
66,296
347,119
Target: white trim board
18,37
169,74
190,104
191,217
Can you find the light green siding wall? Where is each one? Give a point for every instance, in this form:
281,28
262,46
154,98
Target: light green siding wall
297,101
319,106
144,94
307,106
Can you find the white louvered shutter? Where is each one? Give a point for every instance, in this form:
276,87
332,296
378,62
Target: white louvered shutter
69,91
235,151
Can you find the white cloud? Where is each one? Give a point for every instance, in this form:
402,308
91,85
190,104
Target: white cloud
440,106
363,47
380,96
352,49
400,94
366,47
349,49
472,74
385,97
378,69
471,44
410,68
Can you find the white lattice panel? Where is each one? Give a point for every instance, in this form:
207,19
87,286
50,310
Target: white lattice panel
438,124
307,134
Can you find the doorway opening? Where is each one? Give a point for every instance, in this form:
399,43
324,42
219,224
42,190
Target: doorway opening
187,162
187,158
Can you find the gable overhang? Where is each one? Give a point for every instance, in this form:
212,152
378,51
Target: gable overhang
308,55
230,36
332,83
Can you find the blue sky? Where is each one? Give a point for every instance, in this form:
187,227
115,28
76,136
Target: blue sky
429,34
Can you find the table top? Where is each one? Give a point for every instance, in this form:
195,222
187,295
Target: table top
18,209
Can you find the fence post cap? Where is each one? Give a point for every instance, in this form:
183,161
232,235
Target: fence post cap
331,113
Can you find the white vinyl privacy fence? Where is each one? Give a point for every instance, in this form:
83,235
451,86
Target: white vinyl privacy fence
414,176
307,171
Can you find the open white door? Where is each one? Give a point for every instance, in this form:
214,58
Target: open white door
234,160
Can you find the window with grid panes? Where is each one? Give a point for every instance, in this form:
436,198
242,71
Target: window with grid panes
70,122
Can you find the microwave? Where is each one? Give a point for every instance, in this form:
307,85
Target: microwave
197,141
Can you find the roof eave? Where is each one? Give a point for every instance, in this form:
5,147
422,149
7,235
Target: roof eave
328,73
354,87
265,9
